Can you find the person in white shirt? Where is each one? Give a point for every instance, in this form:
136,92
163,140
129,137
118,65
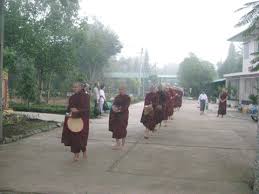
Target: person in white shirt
102,98
203,100
96,99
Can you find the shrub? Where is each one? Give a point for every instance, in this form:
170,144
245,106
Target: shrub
45,108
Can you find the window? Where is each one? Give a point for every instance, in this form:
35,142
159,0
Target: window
246,50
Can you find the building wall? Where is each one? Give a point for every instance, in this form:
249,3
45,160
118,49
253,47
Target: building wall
247,87
249,48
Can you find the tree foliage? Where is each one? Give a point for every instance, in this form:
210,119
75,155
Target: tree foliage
232,64
251,18
196,74
58,43
27,83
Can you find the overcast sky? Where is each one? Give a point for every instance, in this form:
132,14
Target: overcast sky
169,29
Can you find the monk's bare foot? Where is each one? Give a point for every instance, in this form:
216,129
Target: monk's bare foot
85,155
116,147
76,157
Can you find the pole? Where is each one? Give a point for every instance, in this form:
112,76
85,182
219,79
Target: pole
140,71
1,65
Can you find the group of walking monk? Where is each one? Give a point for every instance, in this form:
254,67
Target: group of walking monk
160,104
159,107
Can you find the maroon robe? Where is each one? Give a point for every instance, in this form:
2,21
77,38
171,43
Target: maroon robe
178,99
168,105
172,101
149,121
223,105
77,141
160,114
118,121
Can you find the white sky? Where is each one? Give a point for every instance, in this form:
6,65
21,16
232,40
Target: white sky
169,29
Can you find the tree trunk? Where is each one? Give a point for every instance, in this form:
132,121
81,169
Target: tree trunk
40,89
49,86
28,104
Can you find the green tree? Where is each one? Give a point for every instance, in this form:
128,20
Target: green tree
251,18
196,74
39,31
232,64
94,45
27,84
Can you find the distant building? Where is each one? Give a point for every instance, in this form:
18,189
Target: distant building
246,82
148,80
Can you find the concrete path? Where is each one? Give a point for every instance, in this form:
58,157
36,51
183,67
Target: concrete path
193,155
43,116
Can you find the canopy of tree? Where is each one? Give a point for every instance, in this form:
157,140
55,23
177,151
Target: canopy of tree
251,18
232,64
49,36
196,74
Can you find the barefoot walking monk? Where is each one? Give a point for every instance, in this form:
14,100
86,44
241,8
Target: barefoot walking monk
223,103
119,115
76,125
148,116
160,112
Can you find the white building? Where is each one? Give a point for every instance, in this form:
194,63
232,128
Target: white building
246,82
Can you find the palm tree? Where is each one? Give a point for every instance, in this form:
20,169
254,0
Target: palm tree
251,18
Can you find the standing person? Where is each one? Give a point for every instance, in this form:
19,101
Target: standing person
102,98
161,107
76,124
148,116
167,105
180,96
223,103
96,99
203,100
119,115
173,102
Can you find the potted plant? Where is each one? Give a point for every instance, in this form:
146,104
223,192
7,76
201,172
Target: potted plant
254,99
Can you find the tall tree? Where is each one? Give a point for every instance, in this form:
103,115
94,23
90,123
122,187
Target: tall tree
232,64
94,45
27,84
37,30
196,74
251,18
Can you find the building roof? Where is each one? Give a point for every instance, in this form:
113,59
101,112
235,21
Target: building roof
219,80
244,36
242,74
167,76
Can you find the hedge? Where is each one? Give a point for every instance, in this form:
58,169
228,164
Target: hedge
44,108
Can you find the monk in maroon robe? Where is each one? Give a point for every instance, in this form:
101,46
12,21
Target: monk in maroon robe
168,105
160,112
172,101
149,120
223,103
118,119
78,107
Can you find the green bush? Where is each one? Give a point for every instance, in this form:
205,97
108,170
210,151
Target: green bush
45,108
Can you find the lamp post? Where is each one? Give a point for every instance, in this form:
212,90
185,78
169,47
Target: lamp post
1,64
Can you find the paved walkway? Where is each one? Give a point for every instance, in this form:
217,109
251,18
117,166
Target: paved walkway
193,155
